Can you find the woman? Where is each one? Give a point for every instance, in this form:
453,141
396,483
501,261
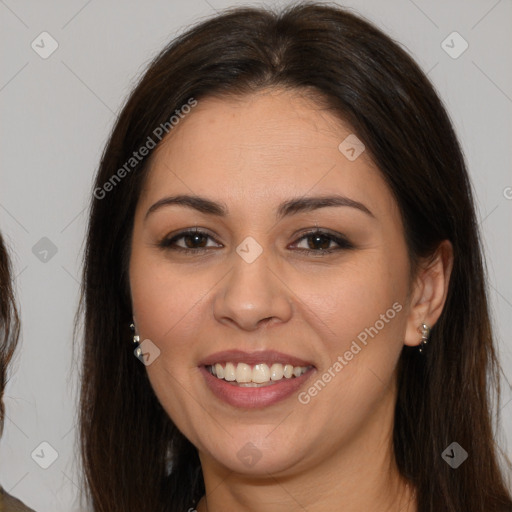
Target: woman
9,333
283,233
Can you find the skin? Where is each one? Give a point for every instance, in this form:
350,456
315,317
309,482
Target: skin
252,153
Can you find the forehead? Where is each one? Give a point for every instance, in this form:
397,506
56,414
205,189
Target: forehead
271,143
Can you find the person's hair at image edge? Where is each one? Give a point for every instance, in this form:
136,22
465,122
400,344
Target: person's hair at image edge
9,336
373,85
9,323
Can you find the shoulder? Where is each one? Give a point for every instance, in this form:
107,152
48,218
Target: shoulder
11,504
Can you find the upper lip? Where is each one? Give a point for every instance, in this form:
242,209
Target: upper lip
252,358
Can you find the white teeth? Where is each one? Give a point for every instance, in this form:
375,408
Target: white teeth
260,373
229,372
243,373
276,371
288,371
252,376
219,371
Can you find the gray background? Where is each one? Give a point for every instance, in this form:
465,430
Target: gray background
56,114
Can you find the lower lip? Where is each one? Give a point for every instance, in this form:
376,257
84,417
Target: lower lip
253,398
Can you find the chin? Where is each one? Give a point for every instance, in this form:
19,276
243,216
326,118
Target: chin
257,454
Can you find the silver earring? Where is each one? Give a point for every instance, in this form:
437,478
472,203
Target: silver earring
136,341
424,330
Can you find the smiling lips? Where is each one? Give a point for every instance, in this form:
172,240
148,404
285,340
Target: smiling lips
254,380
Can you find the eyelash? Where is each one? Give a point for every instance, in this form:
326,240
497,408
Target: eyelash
343,243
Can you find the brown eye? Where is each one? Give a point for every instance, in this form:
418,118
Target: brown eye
193,241
320,242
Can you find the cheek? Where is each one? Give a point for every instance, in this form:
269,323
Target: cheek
364,319
362,310
353,298
163,295
167,309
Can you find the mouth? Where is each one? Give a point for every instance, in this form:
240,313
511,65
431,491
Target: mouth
254,380
258,375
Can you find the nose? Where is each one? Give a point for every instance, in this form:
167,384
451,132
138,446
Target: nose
252,295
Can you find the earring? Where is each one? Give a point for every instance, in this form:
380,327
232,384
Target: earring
424,330
136,341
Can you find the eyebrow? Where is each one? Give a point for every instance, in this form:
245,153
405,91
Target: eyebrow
290,207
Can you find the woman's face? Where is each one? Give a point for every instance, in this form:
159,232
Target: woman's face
258,298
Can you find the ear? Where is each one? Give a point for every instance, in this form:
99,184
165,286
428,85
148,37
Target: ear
429,291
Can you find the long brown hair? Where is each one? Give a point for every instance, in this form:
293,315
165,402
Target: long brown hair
134,458
9,322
